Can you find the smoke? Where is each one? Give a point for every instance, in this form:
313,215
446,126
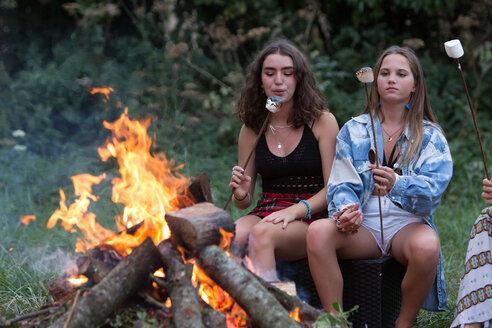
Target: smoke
58,262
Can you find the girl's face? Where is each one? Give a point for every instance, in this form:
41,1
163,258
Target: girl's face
277,77
395,80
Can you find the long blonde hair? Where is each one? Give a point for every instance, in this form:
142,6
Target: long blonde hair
420,107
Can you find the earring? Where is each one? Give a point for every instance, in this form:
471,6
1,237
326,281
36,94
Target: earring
407,106
379,104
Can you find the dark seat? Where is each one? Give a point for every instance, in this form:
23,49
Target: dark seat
374,285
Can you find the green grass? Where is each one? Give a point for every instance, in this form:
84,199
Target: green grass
31,256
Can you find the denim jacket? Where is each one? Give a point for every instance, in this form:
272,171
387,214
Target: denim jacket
418,190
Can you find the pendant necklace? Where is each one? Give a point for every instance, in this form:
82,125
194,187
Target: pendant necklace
274,130
390,136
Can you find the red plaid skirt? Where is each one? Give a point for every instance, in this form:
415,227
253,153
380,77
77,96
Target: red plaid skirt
270,202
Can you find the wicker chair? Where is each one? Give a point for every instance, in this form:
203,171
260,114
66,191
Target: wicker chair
373,285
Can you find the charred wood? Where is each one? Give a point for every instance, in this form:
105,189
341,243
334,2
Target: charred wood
111,293
307,313
263,309
197,226
184,297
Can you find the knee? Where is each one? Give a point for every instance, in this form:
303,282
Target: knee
426,249
242,231
319,236
259,236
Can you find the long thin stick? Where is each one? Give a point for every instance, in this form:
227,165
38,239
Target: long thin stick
250,154
377,162
72,308
474,120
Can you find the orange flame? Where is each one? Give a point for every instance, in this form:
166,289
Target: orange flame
148,188
104,90
75,214
26,219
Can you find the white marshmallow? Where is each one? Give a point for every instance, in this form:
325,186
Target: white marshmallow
273,103
454,48
365,75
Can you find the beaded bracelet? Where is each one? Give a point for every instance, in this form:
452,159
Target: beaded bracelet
308,215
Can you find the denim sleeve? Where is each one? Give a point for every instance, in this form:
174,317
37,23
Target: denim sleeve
344,185
421,190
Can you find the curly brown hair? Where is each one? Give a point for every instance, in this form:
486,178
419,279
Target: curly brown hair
309,101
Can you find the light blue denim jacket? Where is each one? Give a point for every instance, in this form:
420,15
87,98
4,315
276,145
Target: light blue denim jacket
418,190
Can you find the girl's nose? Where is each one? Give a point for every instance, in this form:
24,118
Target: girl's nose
278,78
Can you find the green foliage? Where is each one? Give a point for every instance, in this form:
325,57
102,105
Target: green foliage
182,64
339,320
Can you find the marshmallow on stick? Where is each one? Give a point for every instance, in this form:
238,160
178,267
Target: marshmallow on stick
454,48
273,103
365,75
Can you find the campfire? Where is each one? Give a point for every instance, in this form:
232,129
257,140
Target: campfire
171,254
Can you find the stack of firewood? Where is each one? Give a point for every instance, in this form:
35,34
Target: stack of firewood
114,281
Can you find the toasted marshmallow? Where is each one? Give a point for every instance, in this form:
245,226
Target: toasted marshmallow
365,75
454,48
273,103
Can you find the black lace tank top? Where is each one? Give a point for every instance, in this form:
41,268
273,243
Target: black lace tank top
300,172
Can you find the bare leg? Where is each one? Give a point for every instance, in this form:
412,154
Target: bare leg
243,228
325,244
417,246
268,240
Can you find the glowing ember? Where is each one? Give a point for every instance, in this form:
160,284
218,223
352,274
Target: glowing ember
295,314
26,219
160,273
104,90
78,280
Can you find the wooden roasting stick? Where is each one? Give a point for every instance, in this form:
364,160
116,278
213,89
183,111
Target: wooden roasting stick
365,75
273,105
455,50
117,287
196,229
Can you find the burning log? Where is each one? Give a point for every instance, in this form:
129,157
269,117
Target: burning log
263,309
185,303
307,313
95,266
197,226
200,189
119,285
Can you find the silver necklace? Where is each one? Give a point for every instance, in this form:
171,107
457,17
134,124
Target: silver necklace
390,136
274,130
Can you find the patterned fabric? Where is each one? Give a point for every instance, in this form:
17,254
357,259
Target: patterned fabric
474,302
418,190
272,202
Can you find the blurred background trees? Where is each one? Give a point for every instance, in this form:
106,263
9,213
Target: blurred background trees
181,63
